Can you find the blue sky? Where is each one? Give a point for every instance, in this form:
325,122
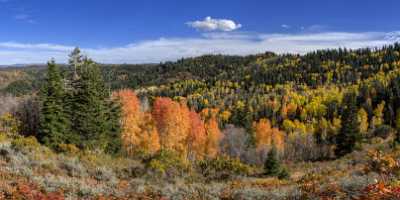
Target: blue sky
133,31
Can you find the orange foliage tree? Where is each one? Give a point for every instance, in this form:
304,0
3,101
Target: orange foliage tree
214,135
138,131
197,137
173,124
266,136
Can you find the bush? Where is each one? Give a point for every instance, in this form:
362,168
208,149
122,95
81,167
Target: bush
25,144
9,125
284,174
382,163
69,149
167,163
223,167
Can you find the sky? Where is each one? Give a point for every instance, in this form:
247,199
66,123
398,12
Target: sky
150,31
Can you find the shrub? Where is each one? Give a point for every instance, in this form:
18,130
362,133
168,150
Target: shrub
284,174
25,144
382,163
167,163
73,167
24,190
223,167
3,137
104,174
9,125
69,149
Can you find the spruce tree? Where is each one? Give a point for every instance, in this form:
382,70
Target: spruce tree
95,116
54,122
113,137
349,133
272,167
72,98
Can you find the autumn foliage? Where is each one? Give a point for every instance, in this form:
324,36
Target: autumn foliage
266,135
214,137
170,125
173,125
138,130
197,137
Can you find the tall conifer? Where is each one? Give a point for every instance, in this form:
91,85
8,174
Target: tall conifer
350,131
54,122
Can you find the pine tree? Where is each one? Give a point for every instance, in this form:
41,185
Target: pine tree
90,108
75,61
95,117
54,122
113,137
73,83
272,167
349,133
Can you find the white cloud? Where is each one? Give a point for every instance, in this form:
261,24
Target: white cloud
170,49
285,26
210,24
52,47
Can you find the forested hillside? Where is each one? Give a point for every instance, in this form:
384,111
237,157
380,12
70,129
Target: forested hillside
274,119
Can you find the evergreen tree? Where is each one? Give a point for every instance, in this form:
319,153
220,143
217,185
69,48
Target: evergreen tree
72,97
95,116
90,107
272,167
54,123
75,61
349,133
113,137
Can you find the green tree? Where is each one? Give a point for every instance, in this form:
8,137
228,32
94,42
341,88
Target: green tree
349,133
54,122
89,107
95,116
272,166
113,137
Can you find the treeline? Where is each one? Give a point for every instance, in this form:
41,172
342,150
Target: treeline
313,107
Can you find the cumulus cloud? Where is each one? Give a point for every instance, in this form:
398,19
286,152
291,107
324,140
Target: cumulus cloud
285,26
170,49
210,24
